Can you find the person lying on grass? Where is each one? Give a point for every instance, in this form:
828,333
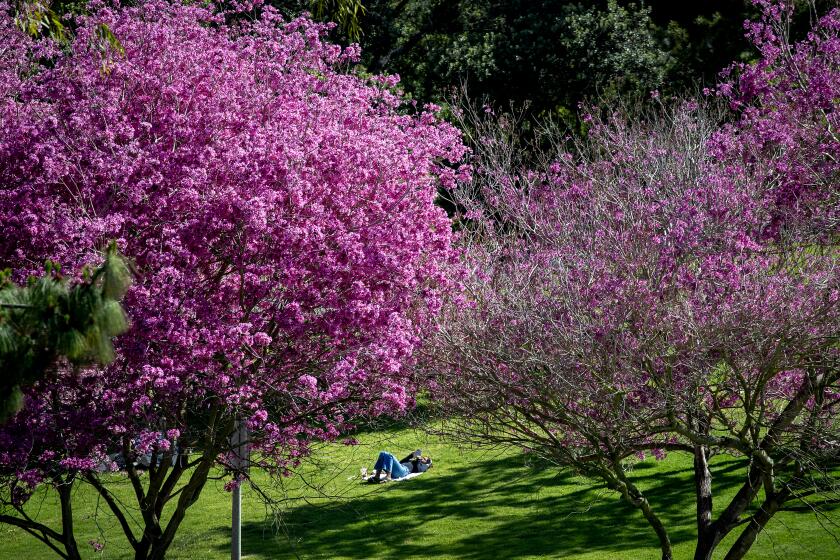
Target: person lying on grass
393,469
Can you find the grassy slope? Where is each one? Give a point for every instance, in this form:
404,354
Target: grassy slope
472,505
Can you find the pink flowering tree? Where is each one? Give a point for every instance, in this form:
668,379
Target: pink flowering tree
280,213
666,286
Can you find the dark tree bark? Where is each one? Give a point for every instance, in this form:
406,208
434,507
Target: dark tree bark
617,480
65,495
756,524
707,537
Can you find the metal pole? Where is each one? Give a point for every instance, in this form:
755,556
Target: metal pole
236,520
239,446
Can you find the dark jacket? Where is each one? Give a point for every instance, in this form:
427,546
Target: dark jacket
414,464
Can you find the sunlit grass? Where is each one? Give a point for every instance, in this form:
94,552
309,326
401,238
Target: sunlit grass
473,504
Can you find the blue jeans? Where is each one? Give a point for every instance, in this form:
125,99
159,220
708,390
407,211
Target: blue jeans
387,462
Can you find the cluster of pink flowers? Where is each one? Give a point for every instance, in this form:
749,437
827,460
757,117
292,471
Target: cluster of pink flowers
278,207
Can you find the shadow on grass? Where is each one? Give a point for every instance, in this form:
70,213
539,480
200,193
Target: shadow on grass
490,509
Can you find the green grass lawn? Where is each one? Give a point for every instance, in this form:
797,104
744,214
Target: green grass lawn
473,504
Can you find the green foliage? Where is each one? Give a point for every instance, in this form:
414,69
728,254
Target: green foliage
50,318
107,40
557,53
346,13
39,18
49,19
701,38
613,50
550,53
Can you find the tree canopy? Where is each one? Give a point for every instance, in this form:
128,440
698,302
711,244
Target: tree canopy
280,212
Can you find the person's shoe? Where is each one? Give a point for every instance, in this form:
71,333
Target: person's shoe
417,452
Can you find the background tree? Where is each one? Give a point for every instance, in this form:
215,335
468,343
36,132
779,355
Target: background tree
552,54
281,215
556,53
669,286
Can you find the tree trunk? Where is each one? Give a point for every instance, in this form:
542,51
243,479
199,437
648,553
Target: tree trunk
659,528
157,539
707,542
707,535
65,495
618,481
747,537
